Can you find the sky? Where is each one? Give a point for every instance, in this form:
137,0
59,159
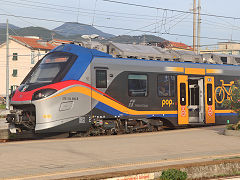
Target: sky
131,20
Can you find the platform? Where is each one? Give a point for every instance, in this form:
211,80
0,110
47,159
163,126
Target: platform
52,159
4,132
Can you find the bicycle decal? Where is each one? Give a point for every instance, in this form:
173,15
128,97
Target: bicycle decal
222,91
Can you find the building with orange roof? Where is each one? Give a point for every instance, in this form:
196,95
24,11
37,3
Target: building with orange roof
58,42
172,45
24,53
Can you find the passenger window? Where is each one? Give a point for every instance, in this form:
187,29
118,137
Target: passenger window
166,85
101,79
209,94
137,85
183,94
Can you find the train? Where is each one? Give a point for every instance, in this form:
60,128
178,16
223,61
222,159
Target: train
74,90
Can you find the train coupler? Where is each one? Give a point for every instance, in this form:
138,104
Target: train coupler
21,120
14,116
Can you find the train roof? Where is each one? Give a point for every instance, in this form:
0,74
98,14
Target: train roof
79,50
87,55
171,66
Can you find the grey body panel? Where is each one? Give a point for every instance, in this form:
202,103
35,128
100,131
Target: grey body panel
119,65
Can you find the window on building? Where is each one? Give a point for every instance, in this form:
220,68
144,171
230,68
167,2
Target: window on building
112,50
14,74
237,60
118,56
166,85
176,59
15,57
224,60
101,78
137,85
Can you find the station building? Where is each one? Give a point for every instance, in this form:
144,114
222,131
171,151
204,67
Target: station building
24,52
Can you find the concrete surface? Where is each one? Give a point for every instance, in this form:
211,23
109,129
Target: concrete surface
52,159
232,132
4,133
3,112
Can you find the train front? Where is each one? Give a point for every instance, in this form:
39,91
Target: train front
45,102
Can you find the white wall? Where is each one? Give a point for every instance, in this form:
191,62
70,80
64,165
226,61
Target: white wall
22,64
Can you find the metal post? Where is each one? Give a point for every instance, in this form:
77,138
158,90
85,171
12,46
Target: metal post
194,25
199,26
7,68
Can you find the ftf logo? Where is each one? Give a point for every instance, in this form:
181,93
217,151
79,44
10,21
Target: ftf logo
131,102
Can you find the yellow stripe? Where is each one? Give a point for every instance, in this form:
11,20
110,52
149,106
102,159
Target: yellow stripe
213,71
176,69
196,71
110,102
224,111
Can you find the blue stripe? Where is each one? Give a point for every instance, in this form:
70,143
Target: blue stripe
226,114
103,107
114,112
109,110
162,115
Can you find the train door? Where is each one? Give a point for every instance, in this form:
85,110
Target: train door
182,84
100,80
196,100
209,100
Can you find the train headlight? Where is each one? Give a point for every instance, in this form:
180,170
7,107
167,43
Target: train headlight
43,93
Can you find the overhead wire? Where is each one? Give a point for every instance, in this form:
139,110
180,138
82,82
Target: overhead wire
177,22
174,10
71,11
73,7
134,30
117,28
149,25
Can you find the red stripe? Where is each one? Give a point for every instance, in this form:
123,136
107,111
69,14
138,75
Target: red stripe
27,96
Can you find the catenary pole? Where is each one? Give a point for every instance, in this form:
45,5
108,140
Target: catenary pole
199,26
194,25
7,67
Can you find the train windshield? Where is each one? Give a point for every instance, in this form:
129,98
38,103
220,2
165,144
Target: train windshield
49,68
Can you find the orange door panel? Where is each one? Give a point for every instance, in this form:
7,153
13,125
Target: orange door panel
182,84
209,99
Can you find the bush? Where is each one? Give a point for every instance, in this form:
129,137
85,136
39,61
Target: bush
2,106
230,127
173,174
234,104
238,126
